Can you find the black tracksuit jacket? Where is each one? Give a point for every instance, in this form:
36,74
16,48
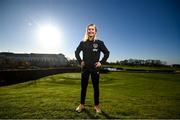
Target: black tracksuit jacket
91,52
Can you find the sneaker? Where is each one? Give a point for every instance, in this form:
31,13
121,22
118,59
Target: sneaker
80,108
98,109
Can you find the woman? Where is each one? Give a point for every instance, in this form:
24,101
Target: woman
90,64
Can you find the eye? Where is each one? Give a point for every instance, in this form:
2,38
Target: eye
91,29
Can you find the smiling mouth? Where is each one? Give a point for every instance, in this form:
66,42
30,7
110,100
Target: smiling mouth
91,33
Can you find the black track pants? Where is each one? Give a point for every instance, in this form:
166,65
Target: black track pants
84,83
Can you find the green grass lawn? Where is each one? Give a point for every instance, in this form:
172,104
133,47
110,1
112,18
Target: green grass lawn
122,95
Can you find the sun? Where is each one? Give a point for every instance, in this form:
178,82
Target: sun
49,36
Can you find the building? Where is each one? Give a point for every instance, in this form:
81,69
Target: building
33,59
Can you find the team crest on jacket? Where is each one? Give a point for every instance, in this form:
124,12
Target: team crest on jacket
95,45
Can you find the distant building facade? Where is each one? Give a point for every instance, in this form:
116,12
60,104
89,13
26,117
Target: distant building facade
33,59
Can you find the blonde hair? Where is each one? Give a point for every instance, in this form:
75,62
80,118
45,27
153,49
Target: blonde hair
86,33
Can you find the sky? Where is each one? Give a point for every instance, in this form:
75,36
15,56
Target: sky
137,29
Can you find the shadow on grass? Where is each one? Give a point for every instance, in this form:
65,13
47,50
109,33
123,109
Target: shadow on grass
108,116
89,114
98,115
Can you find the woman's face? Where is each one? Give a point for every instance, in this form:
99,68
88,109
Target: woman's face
91,31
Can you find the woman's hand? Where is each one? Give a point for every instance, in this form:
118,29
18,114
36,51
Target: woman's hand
82,64
98,64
